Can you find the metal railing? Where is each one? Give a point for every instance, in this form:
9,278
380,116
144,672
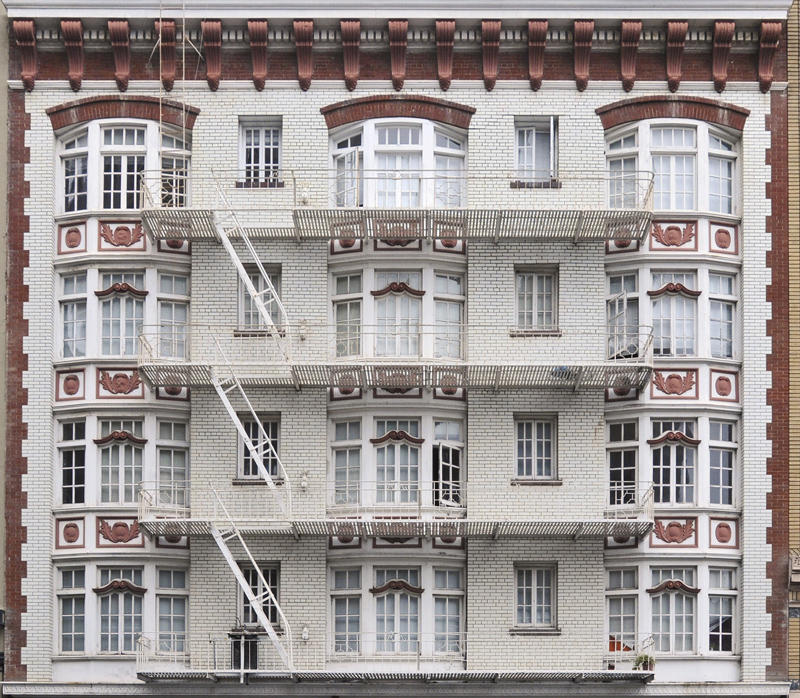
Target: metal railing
346,343
624,648
409,497
394,204
630,500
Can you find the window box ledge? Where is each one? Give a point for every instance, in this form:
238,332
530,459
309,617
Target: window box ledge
252,631
534,631
534,332
245,333
536,184
260,184
246,481
529,482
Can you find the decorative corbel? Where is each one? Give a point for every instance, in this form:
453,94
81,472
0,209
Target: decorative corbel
303,42
445,35
582,32
120,436
671,584
397,585
490,47
537,38
676,41
398,43
768,45
119,34
673,289
629,45
723,38
351,42
398,435
166,36
212,48
25,35
72,33
674,437
257,31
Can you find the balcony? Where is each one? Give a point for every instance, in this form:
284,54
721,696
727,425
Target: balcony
382,509
397,358
625,648
378,204
448,656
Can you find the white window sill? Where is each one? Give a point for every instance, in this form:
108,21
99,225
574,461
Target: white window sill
534,332
517,630
257,481
530,482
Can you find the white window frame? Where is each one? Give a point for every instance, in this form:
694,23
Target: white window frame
723,300
521,310
268,458
135,426
172,334
730,594
668,573
535,421
250,319
128,193
75,594
73,298
622,162
172,641
520,598
449,641
134,575
261,173
623,313
347,641
172,491
529,127
246,615
75,149
723,156
673,487
72,445
347,490
622,491
676,317
673,153
349,335
624,640
723,446
449,340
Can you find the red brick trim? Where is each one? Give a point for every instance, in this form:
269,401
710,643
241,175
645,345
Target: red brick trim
672,107
16,395
121,106
383,106
777,226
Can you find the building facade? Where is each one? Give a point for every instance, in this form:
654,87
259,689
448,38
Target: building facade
445,354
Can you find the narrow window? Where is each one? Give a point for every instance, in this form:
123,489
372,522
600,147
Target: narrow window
72,454
536,597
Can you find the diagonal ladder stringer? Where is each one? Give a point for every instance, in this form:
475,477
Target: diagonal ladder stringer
222,537
226,382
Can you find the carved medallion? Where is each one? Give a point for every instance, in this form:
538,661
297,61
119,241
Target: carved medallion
71,533
674,532
120,383
672,235
174,243
72,384
722,238
723,386
347,243
72,238
673,384
122,235
172,390
723,533
173,539
119,532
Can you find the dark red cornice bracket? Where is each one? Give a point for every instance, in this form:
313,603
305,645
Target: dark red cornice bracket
120,436
670,584
351,43
121,287
303,43
768,46
537,38
674,289
25,35
674,437
723,38
398,287
445,36
166,37
490,47
258,32
397,585
72,33
119,585
119,33
629,46
397,435
212,48
398,43
582,32
676,41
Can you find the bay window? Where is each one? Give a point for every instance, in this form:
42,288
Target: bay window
448,450
674,464
674,315
120,609
75,165
622,164
73,315
722,308
122,314
721,167
120,462
172,449
721,608
449,306
72,609
347,462
123,152
173,314
172,603
72,454
621,605
722,457
397,610
398,314
447,608
346,608
673,155
673,611
622,310
397,461
347,313
622,449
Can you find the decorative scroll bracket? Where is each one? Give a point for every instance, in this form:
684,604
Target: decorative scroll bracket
303,43
119,33
166,36
490,47
351,43
723,38
72,33
629,46
676,41
258,32
212,48
582,32
768,46
537,38
398,43
25,35
445,36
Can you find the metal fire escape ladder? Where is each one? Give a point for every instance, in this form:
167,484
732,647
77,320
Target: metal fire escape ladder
225,381
256,601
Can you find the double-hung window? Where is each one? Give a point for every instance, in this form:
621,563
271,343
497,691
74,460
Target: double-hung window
173,314
348,164
397,611
120,462
260,151
449,152
172,602
173,462
121,314
264,438
123,151
536,448
674,316
536,149
722,309
673,611
673,155
623,184
175,153
73,315
397,462
449,306
259,584
623,449
722,460
721,608
621,606
72,609
72,455
250,317
537,299
347,289
398,315
448,455
721,169
347,462
622,309
448,601
535,596
674,464
398,164
120,609
346,609
75,165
